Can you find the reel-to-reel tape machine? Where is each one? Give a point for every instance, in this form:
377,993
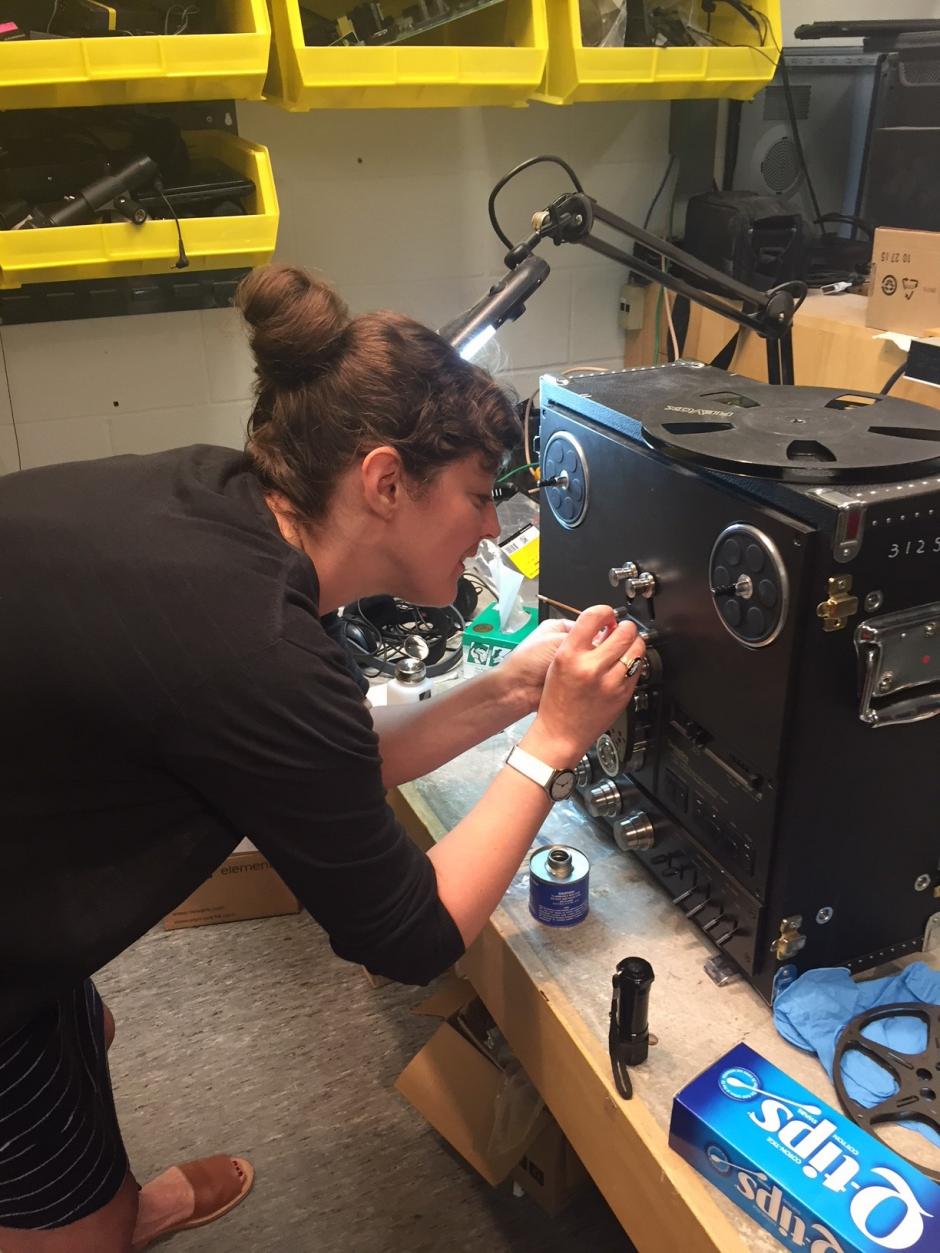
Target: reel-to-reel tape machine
778,772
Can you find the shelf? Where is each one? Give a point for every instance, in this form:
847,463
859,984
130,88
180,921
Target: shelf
497,57
142,69
579,73
67,253
119,297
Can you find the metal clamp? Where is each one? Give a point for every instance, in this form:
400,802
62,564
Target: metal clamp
840,606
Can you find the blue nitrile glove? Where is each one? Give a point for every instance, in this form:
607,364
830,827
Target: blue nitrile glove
812,1011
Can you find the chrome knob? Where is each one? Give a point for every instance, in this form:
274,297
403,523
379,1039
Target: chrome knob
620,574
583,772
640,585
635,832
604,800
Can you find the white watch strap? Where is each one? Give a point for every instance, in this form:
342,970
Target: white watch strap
531,767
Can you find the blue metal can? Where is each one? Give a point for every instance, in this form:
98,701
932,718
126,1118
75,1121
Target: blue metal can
558,885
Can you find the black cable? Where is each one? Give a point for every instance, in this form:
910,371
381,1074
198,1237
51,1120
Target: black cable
491,204
896,374
659,190
797,140
765,32
183,261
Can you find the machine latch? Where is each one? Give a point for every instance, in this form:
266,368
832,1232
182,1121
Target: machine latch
836,611
790,940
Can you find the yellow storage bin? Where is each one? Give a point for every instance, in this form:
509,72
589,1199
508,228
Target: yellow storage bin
495,55
66,253
724,68
141,69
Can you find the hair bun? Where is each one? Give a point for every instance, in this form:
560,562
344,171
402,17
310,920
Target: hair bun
297,324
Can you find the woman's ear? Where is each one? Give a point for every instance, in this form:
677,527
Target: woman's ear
382,477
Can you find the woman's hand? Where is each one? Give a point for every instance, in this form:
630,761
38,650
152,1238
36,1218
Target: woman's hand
524,670
587,686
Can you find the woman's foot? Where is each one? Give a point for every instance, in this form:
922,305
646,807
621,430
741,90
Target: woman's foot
108,1025
190,1195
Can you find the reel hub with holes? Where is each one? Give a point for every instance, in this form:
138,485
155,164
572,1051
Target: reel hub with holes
917,1075
564,462
749,584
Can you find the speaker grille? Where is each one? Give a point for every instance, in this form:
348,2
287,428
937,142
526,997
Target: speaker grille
781,167
919,73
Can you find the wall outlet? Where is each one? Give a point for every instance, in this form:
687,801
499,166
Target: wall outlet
632,296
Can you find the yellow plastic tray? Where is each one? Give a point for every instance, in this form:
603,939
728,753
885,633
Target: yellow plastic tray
143,69
60,254
576,73
499,59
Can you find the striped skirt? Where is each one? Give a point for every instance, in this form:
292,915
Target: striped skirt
61,1153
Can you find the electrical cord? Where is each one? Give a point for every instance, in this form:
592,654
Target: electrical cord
659,190
186,11
761,23
376,634
798,142
526,416
491,203
183,261
667,300
893,377
531,465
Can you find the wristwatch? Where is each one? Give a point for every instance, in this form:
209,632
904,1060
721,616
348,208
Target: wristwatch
558,784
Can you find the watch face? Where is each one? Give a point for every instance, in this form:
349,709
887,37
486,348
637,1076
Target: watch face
562,785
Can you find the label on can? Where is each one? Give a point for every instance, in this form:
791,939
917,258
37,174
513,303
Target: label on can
558,886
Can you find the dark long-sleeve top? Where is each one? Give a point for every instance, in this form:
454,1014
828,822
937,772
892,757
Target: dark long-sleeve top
166,688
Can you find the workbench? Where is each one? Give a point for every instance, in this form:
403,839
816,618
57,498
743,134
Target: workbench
549,990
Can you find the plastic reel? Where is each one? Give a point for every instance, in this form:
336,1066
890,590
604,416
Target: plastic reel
917,1075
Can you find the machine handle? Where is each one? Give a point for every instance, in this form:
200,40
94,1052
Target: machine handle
914,709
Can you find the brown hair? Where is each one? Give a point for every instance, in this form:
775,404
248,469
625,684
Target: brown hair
330,388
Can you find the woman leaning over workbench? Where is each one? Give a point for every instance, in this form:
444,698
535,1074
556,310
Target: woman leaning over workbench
168,686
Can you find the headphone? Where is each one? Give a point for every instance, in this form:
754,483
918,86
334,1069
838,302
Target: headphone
375,629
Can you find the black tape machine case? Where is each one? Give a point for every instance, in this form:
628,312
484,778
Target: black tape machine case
779,770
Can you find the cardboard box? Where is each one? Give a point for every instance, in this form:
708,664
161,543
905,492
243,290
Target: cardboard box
800,1169
472,1091
550,1171
244,886
904,290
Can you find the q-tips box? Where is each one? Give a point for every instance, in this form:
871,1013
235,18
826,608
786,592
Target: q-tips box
810,1176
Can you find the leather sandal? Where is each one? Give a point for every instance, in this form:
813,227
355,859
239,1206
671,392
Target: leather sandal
212,1192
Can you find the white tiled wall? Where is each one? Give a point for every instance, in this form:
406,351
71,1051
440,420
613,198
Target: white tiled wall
391,206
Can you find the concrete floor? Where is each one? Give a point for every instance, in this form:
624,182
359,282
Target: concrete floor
252,1038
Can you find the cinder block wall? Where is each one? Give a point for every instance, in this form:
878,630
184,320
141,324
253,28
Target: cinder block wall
391,206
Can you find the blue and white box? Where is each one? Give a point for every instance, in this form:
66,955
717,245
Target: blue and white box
803,1171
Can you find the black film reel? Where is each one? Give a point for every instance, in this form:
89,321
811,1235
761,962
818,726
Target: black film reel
917,1075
